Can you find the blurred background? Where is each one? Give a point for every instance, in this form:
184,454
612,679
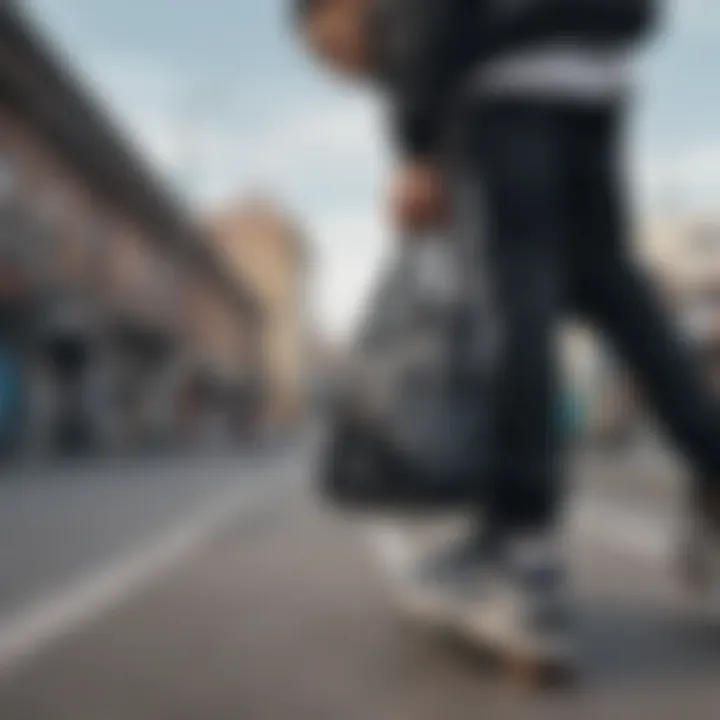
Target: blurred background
136,313
191,218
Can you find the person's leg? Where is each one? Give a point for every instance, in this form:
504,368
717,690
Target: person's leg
513,169
611,291
503,584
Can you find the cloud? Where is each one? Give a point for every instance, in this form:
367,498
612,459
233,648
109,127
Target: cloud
696,14
209,132
692,175
327,157
316,150
352,248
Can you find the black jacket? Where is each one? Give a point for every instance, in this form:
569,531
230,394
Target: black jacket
425,48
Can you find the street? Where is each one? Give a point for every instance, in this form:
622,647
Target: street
212,588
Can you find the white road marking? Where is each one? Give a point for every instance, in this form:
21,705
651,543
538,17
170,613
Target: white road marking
33,628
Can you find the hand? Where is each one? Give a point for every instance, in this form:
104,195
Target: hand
419,201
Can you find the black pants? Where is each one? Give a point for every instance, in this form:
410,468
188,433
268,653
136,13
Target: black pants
554,233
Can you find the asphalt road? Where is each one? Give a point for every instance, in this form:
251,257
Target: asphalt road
219,589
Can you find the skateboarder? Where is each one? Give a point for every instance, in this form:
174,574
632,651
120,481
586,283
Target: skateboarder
518,107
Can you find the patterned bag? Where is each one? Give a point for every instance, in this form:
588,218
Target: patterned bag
407,430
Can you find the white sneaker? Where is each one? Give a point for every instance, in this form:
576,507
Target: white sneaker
506,597
440,589
523,610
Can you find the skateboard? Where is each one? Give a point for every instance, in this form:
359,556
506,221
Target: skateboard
398,548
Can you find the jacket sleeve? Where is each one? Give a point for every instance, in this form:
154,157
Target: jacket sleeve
429,65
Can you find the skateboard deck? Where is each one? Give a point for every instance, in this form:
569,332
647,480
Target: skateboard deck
397,547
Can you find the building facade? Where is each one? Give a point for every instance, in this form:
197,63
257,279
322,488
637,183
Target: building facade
115,315
266,249
680,251
685,250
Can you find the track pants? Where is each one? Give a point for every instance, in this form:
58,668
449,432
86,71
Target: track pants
547,182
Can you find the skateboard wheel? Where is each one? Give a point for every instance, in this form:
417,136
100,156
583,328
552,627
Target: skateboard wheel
537,675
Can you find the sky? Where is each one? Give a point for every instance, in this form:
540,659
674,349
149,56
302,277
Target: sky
220,97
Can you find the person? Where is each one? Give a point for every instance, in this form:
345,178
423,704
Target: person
511,127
